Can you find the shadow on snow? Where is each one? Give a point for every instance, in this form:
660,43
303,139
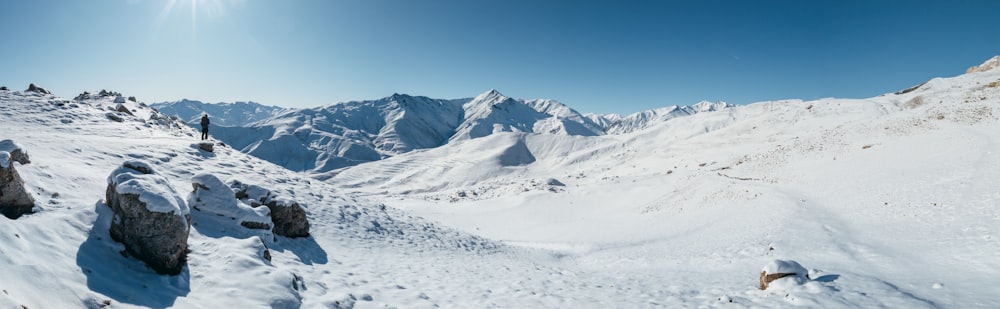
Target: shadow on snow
125,280
214,226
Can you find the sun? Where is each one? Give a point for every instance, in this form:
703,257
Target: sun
206,8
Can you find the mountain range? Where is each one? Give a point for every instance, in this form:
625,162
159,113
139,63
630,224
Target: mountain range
335,136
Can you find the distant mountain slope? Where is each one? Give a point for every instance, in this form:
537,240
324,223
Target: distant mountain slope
615,124
222,114
345,134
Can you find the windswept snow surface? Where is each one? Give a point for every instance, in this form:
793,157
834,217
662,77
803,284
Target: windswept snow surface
888,202
891,201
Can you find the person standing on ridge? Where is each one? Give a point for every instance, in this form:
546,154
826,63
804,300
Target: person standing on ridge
204,127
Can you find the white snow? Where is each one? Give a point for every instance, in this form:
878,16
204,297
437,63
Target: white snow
4,159
152,189
890,201
217,198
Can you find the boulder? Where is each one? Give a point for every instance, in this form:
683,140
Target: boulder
4,88
33,88
213,196
778,269
122,109
150,218
16,152
119,99
14,197
206,147
289,217
132,99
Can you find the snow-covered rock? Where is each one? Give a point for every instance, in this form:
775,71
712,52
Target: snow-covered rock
17,153
15,200
150,218
213,196
288,216
779,269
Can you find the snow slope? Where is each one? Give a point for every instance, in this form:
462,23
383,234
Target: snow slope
892,201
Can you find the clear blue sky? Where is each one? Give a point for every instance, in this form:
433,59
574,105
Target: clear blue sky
596,56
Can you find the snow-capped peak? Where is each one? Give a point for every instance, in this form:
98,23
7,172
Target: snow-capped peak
492,96
989,65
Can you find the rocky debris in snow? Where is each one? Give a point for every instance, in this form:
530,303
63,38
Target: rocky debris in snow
119,99
14,197
554,182
265,253
132,99
33,88
990,64
778,269
150,218
213,196
17,153
83,96
206,147
4,88
122,109
105,93
115,117
289,217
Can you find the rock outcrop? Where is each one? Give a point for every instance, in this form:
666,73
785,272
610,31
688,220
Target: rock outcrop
989,65
150,218
4,88
33,88
17,153
14,198
213,196
289,217
778,269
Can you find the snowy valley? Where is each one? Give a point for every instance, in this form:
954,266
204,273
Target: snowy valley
494,202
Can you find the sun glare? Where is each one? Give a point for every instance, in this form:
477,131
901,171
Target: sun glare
205,8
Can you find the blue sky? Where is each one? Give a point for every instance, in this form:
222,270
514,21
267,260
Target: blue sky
596,56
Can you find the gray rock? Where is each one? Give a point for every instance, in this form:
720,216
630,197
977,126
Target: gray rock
4,88
132,99
33,88
150,219
289,219
122,109
14,197
16,152
206,147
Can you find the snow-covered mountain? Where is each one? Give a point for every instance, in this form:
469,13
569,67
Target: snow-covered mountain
890,201
615,124
335,136
232,114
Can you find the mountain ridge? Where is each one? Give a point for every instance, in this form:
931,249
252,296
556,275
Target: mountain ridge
339,135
